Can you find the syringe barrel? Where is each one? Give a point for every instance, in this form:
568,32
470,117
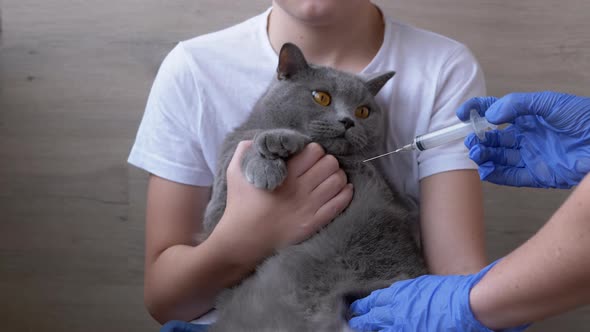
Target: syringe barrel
476,124
443,136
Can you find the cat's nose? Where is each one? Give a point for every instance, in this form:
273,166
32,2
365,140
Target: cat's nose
347,122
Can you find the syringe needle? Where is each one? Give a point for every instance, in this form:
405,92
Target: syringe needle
381,155
404,148
476,124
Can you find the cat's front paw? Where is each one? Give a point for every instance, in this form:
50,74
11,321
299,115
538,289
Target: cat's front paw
264,173
280,143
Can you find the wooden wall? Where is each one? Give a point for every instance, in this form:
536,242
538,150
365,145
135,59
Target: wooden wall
74,77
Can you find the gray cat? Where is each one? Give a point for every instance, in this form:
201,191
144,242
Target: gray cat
308,286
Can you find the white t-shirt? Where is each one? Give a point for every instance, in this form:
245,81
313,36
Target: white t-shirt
208,85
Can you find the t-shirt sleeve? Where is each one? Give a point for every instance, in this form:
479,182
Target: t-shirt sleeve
460,78
167,142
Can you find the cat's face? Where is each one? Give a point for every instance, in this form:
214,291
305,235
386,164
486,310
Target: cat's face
336,109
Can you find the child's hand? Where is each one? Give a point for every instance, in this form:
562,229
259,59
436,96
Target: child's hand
257,222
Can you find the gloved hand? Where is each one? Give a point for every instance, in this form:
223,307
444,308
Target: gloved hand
547,145
180,326
427,303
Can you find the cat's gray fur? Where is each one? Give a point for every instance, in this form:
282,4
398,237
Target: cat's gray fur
307,287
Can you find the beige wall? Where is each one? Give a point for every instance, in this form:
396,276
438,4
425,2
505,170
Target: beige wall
74,77
522,45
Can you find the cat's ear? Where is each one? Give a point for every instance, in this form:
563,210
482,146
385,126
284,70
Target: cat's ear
375,83
291,61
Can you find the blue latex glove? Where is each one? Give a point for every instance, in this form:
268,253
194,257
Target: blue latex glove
547,145
180,326
427,303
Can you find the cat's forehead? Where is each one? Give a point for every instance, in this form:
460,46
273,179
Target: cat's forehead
337,80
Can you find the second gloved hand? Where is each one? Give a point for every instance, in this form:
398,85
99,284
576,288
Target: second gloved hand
427,303
547,145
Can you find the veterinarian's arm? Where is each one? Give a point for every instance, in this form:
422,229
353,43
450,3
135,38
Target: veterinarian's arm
182,277
547,275
451,221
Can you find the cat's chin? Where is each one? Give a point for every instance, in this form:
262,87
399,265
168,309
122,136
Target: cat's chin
337,146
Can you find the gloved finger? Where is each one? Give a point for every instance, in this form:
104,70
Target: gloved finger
377,319
529,123
480,104
471,140
180,326
514,105
364,305
380,297
506,138
582,165
506,175
499,156
485,169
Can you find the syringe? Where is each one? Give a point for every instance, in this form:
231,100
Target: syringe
476,124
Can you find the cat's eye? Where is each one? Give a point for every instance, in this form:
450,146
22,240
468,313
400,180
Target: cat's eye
362,112
322,98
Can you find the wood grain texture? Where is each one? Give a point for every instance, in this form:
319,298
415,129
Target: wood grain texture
74,78
525,45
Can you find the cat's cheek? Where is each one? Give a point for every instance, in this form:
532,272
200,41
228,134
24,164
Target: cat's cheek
338,146
356,141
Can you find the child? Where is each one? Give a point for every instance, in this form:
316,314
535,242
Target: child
208,85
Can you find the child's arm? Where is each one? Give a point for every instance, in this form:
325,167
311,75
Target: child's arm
182,278
451,221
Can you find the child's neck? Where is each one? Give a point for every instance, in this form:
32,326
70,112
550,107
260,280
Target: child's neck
348,44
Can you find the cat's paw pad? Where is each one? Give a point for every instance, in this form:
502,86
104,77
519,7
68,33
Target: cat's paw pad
280,143
265,173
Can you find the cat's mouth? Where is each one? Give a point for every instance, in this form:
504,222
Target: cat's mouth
336,146
336,139
345,143
326,130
